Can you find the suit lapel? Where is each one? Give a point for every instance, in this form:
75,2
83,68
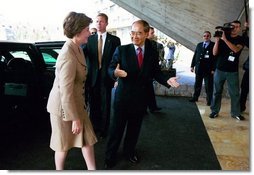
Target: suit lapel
94,48
133,60
146,57
94,44
107,46
201,46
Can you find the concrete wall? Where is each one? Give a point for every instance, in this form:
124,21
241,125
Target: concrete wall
185,20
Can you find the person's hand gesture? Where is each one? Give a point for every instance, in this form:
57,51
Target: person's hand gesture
119,73
172,82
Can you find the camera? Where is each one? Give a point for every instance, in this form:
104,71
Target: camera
227,28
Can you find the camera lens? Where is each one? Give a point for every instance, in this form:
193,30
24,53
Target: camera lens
217,34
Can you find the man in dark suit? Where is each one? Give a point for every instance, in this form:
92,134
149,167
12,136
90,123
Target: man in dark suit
203,62
152,104
134,65
99,49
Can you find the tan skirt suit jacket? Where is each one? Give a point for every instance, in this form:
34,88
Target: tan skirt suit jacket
66,100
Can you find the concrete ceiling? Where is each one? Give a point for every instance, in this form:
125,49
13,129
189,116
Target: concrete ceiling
185,20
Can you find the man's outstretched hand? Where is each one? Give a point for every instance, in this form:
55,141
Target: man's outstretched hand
119,73
172,82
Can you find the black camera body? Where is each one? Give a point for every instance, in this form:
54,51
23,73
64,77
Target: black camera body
227,28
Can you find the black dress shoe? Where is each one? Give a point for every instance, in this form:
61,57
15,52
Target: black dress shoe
213,115
155,109
133,158
238,117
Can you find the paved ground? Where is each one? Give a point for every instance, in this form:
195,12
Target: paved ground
173,139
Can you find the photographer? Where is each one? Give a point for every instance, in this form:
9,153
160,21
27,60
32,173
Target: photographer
227,50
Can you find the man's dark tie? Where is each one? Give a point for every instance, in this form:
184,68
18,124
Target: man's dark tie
140,57
204,45
100,50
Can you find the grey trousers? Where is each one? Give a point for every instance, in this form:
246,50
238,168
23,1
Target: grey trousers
232,79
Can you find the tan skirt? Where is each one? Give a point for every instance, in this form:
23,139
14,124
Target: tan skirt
62,138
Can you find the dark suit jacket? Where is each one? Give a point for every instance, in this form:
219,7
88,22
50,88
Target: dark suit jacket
203,66
131,92
91,52
159,47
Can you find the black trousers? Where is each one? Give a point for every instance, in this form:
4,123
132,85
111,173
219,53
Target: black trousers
100,104
244,90
152,104
124,123
208,80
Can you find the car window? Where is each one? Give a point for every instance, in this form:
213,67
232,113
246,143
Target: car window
20,54
49,59
50,55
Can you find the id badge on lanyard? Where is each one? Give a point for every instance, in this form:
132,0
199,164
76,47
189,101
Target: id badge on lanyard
231,57
206,54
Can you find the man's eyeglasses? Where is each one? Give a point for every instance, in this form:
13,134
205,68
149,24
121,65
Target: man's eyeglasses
93,33
136,33
206,36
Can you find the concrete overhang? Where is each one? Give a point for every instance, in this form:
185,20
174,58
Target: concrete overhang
186,20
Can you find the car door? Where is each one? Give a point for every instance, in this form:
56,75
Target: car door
20,75
49,51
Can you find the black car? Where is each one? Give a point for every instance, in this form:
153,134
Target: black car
26,74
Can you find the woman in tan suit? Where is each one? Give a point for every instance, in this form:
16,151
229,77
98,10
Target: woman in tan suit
71,126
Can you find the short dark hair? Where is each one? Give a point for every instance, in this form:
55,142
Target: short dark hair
237,22
144,23
104,16
74,23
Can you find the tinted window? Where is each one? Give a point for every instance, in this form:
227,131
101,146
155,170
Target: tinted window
50,55
20,54
48,58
